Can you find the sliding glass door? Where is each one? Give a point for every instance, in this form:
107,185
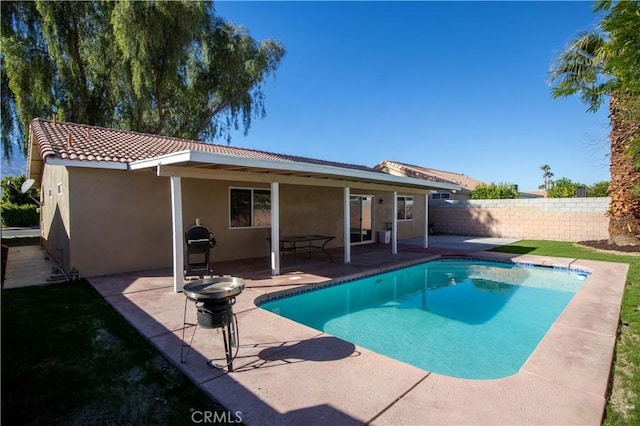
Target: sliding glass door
361,221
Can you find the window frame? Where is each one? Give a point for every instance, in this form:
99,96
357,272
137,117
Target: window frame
252,207
404,202
441,196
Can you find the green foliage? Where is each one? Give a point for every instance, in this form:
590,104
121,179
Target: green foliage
564,188
19,215
495,191
546,175
580,69
165,67
598,189
11,191
16,208
622,23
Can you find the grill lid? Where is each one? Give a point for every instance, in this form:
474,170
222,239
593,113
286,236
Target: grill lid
213,288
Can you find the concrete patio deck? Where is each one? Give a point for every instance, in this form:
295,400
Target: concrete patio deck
287,373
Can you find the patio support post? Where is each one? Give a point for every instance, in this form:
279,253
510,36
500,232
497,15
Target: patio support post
394,224
426,221
275,228
178,244
347,225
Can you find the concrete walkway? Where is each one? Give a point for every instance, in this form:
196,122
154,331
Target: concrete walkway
458,242
289,374
29,266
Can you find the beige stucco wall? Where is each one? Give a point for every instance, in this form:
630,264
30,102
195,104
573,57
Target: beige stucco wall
555,219
120,221
54,214
111,221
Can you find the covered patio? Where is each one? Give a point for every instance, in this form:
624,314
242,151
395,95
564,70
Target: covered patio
287,373
341,180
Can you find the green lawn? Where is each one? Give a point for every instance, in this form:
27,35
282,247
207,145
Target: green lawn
69,358
623,407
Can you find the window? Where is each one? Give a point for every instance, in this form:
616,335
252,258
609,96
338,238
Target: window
59,188
443,196
249,208
405,208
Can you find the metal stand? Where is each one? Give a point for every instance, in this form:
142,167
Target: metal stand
214,315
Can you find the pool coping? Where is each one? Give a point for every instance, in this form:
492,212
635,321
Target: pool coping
287,373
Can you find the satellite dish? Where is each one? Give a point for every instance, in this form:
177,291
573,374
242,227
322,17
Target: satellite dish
26,186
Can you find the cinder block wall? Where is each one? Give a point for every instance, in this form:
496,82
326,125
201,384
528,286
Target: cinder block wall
556,219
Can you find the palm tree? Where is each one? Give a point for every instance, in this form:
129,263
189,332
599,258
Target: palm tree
585,68
546,175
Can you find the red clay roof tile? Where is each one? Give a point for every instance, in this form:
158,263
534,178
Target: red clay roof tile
70,141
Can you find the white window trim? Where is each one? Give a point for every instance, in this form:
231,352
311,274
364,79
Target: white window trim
405,197
252,226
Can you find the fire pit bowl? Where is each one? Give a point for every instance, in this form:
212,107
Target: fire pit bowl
210,289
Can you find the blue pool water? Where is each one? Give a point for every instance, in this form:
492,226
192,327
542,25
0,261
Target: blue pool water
461,318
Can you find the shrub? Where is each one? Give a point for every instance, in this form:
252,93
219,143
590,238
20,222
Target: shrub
495,191
19,215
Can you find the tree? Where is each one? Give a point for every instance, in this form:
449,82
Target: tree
16,208
564,188
598,189
493,191
606,64
165,67
11,191
546,175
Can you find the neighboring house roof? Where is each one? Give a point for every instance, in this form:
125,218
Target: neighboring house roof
90,146
533,194
466,183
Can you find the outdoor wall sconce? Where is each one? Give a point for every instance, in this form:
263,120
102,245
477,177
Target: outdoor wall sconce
381,201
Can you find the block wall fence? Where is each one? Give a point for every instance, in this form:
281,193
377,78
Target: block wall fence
556,219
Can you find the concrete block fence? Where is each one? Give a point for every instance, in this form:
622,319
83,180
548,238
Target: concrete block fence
556,219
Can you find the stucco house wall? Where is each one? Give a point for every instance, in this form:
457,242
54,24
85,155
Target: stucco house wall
110,221
121,221
54,214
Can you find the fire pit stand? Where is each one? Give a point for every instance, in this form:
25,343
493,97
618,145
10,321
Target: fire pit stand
214,299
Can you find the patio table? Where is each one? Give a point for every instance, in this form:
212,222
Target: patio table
295,243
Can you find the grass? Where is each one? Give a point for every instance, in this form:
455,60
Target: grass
69,358
623,407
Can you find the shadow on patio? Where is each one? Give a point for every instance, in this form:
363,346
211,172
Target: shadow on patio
322,379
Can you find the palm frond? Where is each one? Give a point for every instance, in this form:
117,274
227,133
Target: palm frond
580,68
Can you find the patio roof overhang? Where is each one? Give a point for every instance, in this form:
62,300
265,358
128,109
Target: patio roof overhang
206,165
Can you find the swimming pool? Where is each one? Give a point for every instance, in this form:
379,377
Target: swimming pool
457,317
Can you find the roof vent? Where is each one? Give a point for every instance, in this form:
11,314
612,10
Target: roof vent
88,133
55,120
69,140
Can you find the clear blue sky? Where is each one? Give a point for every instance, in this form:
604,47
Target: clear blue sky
458,86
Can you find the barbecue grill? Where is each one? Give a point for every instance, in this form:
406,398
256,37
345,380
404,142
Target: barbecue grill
214,299
199,244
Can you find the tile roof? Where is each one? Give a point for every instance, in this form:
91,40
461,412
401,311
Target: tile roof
465,182
80,142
